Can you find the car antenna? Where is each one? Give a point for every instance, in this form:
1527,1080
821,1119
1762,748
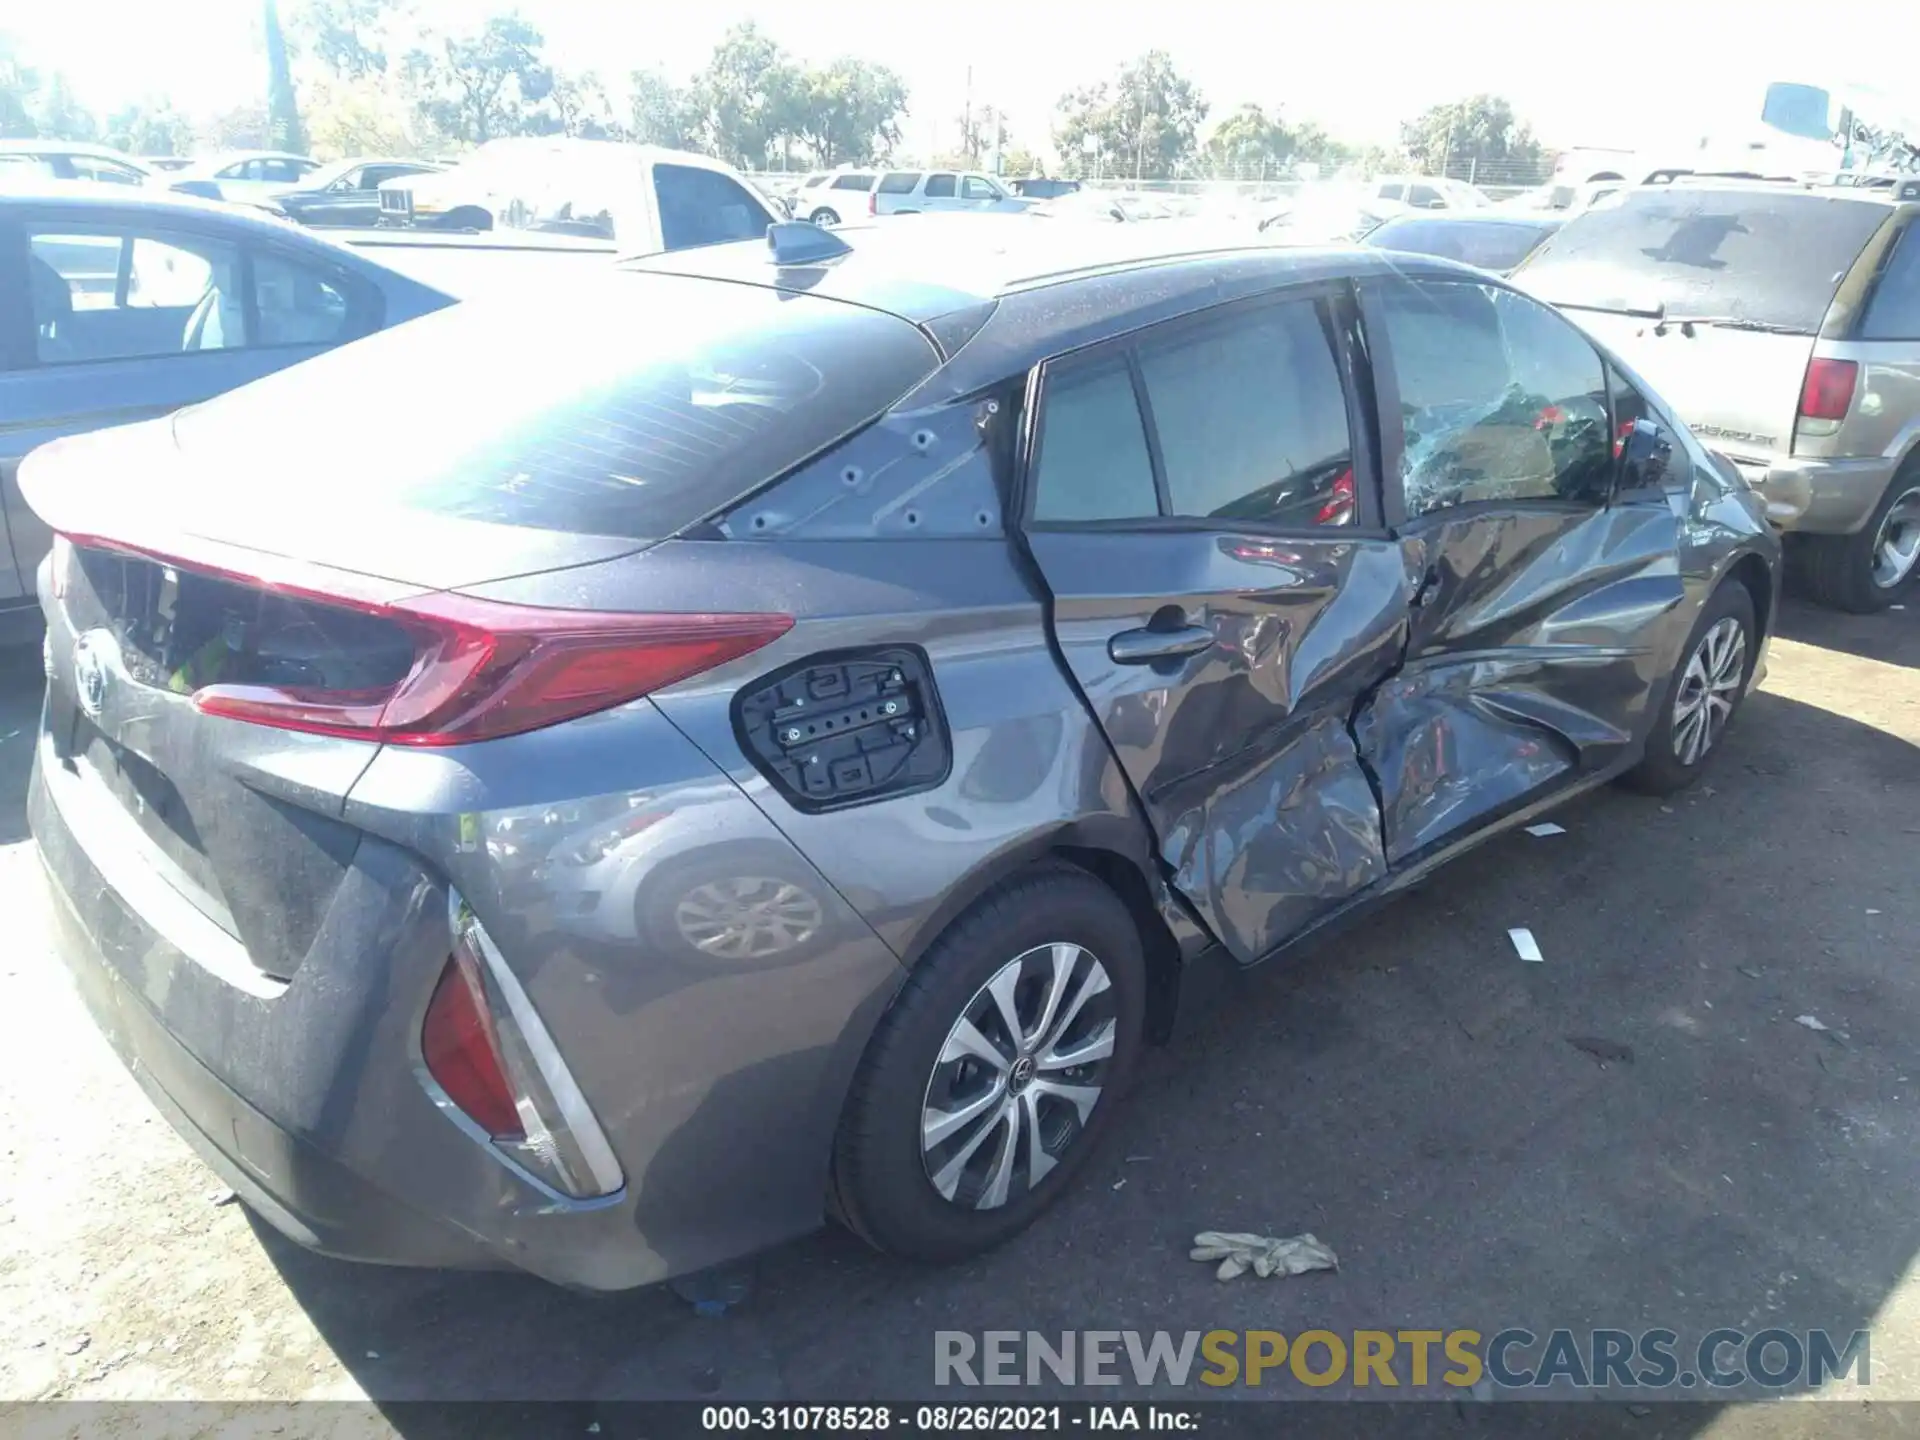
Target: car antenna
800,242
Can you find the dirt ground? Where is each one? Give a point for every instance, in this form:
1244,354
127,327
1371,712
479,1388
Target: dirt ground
1410,1093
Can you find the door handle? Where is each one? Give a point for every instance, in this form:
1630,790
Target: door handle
1146,646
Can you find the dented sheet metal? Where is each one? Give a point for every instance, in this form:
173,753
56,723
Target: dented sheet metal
1240,750
1540,637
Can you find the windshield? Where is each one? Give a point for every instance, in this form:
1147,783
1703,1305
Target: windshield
1491,244
327,174
1770,259
627,405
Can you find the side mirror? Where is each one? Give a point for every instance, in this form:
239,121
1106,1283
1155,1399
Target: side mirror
1645,456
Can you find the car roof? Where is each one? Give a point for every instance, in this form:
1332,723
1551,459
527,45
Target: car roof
223,158
989,286
83,198
69,147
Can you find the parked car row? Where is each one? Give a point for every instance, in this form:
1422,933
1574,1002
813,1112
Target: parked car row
773,727
833,197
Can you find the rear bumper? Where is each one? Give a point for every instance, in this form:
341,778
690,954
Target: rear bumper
308,1100
303,1193
1822,497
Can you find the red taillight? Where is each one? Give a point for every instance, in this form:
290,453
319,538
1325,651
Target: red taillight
463,1052
480,669
1339,507
483,670
1827,393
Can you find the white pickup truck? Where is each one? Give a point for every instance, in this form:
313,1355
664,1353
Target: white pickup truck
638,198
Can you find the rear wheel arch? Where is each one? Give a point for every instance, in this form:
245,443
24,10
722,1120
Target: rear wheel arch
1098,847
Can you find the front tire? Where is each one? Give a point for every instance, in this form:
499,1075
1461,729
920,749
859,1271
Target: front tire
1700,698
1867,571
824,216
997,1071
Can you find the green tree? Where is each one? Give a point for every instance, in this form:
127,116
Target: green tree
578,105
983,130
1142,124
245,127
19,84
663,113
849,113
1476,136
747,97
366,116
1248,142
283,110
149,127
61,115
479,87
349,37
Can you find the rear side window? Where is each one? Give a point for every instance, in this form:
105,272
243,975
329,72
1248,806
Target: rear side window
704,207
101,293
1093,462
940,187
1773,260
1252,419
899,182
853,181
1894,311
624,403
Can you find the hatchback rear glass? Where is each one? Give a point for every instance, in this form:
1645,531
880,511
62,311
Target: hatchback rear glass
628,405
1771,259
899,182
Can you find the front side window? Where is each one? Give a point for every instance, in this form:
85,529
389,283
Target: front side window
1092,462
1500,399
1252,418
239,170
100,293
940,187
974,187
704,207
1894,311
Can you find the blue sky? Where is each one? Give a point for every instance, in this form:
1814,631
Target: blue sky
1623,72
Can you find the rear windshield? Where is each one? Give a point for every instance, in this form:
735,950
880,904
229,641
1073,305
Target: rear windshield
628,404
1490,244
1773,260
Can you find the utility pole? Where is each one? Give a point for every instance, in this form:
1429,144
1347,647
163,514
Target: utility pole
967,147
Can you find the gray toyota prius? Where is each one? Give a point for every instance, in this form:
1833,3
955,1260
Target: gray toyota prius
771,732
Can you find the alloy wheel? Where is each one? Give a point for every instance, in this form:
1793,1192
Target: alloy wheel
1709,686
746,917
1896,547
1019,1076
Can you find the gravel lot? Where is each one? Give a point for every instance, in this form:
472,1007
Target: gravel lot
1409,1093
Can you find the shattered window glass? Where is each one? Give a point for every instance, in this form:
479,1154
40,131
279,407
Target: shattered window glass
1500,399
